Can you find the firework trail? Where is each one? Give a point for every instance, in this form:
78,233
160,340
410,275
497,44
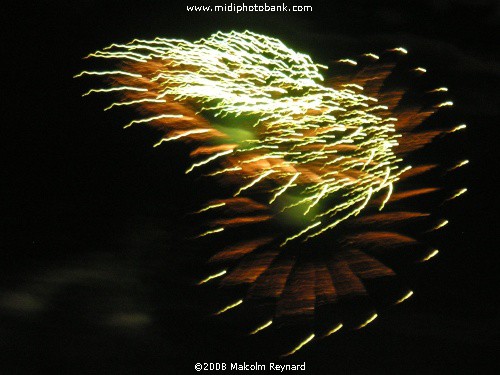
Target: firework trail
303,158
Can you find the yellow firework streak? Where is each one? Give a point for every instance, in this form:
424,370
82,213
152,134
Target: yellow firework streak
457,128
210,207
212,231
401,50
231,306
457,194
112,72
208,160
459,165
405,297
446,104
440,89
347,61
123,88
440,225
335,329
139,101
261,177
300,346
284,188
150,119
264,326
370,319
431,255
182,135
212,277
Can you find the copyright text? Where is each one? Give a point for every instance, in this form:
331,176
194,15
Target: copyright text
244,366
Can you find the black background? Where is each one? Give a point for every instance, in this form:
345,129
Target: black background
94,278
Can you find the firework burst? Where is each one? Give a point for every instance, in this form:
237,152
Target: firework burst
303,157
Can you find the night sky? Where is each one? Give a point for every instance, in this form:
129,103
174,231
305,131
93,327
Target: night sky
95,275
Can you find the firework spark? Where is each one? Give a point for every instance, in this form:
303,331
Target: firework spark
304,157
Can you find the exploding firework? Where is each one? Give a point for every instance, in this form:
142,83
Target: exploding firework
303,157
